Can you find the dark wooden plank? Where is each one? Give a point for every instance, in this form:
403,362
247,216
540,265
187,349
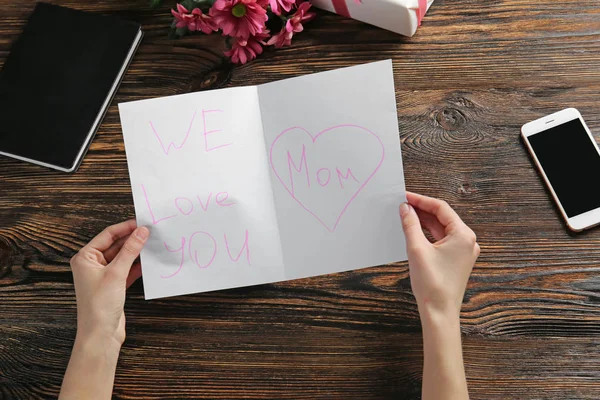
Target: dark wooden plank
473,74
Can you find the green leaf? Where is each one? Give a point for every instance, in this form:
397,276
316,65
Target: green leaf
173,33
189,5
155,3
204,3
181,31
275,22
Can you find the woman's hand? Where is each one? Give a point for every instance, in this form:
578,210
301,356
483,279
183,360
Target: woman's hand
438,275
438,271
102,271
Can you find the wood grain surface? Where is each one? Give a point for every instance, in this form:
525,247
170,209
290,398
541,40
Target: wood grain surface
465,83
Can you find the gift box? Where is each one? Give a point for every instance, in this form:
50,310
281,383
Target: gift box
400,16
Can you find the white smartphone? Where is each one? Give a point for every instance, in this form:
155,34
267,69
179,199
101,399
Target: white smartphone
568,158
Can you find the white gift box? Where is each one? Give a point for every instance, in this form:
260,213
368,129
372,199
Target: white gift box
400,16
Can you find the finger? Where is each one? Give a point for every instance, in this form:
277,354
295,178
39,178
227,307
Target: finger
412,227
131,249
111,234
438,208
430,223
134,274
114,248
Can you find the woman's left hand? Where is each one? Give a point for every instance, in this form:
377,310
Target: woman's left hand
102,271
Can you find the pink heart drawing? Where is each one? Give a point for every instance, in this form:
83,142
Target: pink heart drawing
373,154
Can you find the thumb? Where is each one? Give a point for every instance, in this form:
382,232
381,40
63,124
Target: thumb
412,226
130,251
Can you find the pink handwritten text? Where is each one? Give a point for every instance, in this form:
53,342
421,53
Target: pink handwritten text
172,144
205,133
201,249
323,175
302,162
342,176
186,206
294,164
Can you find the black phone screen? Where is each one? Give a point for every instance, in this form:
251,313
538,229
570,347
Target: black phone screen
572,165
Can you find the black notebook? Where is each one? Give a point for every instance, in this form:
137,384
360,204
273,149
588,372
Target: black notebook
58,82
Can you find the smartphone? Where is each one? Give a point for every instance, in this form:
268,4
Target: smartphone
568,159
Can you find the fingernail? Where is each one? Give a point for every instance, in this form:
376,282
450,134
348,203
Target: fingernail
404,209
142,233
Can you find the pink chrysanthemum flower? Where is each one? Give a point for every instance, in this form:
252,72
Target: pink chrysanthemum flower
278,5
194,21
293,25
240,18
244,50
180,16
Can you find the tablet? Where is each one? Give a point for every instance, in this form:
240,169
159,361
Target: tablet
58,82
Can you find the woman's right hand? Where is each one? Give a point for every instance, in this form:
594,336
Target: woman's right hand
439,271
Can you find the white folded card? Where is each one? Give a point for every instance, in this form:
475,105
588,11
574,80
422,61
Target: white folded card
259,184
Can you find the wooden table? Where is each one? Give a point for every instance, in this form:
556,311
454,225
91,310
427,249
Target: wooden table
472,75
